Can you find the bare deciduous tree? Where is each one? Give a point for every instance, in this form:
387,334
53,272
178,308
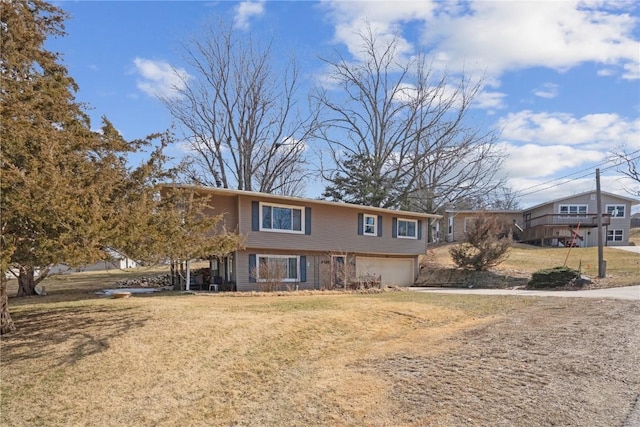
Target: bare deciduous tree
240,114
628,162
402,128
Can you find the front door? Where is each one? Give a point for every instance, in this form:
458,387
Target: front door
338,270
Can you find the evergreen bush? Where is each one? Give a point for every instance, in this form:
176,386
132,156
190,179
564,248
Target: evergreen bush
553,277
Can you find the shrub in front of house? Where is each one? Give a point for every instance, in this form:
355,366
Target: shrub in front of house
486,244
553,277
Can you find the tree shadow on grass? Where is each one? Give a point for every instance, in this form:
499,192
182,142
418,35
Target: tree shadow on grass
66,335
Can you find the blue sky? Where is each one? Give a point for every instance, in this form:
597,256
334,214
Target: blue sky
562,79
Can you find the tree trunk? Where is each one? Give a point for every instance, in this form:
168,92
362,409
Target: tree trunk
6,323
26,282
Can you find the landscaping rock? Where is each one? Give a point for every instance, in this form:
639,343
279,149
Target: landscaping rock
145,282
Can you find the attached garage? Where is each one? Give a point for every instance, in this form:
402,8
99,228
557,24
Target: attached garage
394,271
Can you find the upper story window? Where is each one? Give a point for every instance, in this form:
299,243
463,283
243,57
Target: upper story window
616,211
573,209
370,225
407,228
281,218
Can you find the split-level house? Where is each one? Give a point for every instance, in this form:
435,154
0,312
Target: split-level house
571,220
574,220
315,244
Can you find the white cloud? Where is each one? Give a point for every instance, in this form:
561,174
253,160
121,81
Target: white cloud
385,19
631,70
159,78
603,131
606,72
489,100
536,161
245,11
498,36
547,90
509,35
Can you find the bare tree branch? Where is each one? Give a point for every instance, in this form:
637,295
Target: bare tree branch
240,114
628,164
397,133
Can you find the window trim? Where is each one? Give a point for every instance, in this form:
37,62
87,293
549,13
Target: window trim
374,225
568,206
414,221
611,235
280,230
615,206
287,257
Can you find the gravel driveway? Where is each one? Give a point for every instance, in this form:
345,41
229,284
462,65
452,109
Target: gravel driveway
622,293
635,249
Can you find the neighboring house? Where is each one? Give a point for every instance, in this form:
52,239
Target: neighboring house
117,261
314,244
575,219
571,220
457,221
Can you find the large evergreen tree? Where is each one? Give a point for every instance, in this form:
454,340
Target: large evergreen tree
68,193
53,166
37,111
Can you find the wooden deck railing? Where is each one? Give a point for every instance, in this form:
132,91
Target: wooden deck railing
570,220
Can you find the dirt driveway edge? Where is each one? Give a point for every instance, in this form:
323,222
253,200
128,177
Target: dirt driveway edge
622,293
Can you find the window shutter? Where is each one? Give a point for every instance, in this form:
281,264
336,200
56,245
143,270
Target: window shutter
255,216
252,267
379,225
307,221
360,223
419,229
303,268
394,228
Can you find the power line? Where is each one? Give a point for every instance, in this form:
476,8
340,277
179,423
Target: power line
583,170
588,171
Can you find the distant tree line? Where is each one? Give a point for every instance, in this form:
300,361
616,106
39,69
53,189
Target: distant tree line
390,132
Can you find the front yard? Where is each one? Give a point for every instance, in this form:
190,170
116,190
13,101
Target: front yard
312,358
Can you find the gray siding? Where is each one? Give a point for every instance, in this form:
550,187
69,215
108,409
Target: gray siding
228,207
316,276
243,274
590,235
333,229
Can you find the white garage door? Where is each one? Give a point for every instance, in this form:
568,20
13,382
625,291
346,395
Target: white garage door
394,271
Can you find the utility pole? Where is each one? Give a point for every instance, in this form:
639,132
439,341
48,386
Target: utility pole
602,264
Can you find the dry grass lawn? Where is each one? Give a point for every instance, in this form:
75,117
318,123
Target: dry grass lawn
634,236
327,359
388,359
623,268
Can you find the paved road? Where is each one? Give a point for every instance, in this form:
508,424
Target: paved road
623,293
635,249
